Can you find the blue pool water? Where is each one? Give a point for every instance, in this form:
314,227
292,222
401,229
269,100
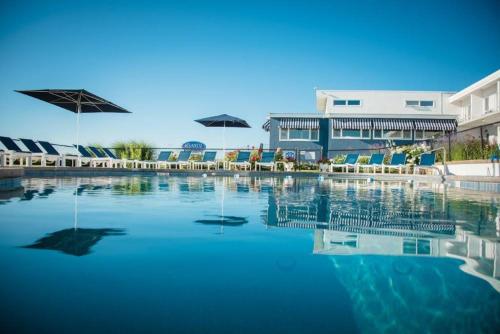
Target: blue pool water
248,255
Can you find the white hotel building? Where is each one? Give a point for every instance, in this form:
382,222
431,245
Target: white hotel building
368,120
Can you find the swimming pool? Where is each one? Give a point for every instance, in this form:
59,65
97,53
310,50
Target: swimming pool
247,255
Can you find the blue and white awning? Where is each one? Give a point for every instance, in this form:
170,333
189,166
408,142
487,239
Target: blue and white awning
299,123
267,125
436,124
351,123
392,124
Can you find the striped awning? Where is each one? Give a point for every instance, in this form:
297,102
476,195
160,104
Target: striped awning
299,123
392,124
267,125
436,124
351,123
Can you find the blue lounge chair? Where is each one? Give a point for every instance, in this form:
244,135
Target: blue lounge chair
242,160
266,160
207,160
163,159
376,160
44,157
87,157
182,160
49,148
13,152
398,161
427,162
350,161
112,162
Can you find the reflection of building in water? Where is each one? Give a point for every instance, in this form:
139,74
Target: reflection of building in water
390,222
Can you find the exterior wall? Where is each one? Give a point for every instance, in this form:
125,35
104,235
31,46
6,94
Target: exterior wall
338,146
472,102
385,102
316,146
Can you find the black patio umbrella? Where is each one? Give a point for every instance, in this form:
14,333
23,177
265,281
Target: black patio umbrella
224,220
76,242
77,101
223,121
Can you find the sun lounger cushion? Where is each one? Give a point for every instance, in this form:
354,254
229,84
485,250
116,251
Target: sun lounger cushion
31,145
10,144
48,148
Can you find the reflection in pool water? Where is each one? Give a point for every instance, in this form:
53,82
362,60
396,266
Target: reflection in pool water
386,256
74,241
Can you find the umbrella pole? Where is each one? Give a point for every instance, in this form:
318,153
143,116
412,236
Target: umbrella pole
222,206
224,143
78,162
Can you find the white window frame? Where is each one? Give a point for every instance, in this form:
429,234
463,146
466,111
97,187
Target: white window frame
419,104
288,135
346,105
424,137
360,132
401,137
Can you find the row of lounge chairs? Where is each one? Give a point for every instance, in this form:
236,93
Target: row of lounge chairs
45,153
376,163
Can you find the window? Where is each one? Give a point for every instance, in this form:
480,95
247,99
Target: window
419,103
487,104
351,133
427,103
427,134
299,134
353,103
416,246
392,134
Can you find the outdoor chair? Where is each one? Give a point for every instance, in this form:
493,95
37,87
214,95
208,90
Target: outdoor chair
41,155
208,160
112,162
182,160
267,160
398,162
350,161
163,159
13,153
49,148
242,161
427,162
86,157
376,160
112,155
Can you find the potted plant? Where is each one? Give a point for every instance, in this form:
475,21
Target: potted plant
289,164
324,165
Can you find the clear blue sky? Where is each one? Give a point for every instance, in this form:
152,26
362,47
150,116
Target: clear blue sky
172,62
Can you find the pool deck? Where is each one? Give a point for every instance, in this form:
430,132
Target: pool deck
10,178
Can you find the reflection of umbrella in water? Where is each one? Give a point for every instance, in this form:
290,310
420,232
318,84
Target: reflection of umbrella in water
74,241
224,220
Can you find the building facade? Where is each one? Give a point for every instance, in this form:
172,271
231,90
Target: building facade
479,110
366,121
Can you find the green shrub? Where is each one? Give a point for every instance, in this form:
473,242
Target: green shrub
363,160
134,150
470,149
338,159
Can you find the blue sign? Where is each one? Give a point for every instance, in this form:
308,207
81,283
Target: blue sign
289,154
194,145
